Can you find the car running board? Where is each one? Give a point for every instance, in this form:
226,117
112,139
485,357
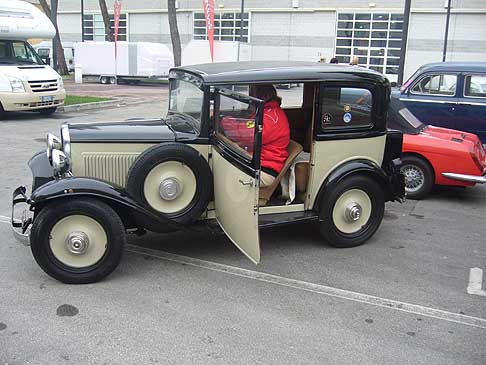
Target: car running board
277,219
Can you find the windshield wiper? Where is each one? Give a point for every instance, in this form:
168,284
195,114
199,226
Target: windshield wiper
28,62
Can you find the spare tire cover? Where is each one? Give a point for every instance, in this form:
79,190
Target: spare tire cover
172,179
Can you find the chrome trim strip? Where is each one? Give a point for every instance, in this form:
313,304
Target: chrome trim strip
469,103
463,177
430,101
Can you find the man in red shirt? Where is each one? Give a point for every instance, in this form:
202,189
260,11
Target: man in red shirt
275,135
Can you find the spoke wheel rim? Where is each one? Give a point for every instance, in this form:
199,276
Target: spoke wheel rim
414,178
170,170
340,213
78,226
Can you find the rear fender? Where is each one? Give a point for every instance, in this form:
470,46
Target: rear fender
393,189
130,210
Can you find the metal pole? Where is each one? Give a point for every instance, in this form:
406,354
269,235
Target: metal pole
82,20
403,50
448,17
241,29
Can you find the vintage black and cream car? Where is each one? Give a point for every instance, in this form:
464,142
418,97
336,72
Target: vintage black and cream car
100,181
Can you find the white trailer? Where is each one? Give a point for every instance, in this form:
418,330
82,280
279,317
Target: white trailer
135,61
197,51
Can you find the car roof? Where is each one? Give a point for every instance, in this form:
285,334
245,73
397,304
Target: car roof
277,71
455,67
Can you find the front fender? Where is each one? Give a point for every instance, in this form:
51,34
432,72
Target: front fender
41,169
393,184
116,196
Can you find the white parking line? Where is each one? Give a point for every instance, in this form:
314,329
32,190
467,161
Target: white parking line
315,288
307,286
476,282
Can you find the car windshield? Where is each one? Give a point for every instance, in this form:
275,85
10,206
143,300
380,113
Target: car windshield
410,80
18,53
186,98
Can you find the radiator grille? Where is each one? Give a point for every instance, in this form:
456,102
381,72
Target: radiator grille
112,167
43,86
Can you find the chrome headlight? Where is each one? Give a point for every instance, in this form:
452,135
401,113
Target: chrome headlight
16,84
53,143
60,163
66,140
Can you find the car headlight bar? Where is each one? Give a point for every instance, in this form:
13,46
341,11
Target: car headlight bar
58,153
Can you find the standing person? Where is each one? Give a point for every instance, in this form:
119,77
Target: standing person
334,60
354,61
275,135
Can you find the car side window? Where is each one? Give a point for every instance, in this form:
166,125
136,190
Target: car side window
475,86
439,84
346,108
235,124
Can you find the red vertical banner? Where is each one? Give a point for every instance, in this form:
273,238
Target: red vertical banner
116,12
209,16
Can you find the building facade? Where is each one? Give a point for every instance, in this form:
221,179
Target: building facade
303,29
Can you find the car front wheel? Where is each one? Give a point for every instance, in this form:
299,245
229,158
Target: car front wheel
78,242
352,212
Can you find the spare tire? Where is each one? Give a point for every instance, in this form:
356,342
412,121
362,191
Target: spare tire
172,179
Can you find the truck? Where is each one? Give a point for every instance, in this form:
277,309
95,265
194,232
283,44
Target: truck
26,82
134,61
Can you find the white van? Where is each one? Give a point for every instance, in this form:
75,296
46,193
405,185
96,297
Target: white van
44,50
26,82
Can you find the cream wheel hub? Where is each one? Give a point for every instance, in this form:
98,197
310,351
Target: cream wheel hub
78,241
352,211
170,187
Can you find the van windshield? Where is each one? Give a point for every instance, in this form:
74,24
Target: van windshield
18,53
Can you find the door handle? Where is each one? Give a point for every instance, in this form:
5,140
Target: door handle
246,183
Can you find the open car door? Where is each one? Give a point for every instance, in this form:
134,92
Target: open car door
237,135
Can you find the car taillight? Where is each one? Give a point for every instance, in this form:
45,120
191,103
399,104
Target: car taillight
477,152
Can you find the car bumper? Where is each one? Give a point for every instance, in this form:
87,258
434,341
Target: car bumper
396,181
21,226
32,101
463,177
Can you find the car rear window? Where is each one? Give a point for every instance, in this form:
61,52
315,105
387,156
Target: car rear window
346,108
475,86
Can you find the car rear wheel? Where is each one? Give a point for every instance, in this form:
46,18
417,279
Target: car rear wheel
78,241
352,212
419,177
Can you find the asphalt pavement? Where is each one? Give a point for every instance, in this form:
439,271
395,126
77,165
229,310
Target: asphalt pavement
193,298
